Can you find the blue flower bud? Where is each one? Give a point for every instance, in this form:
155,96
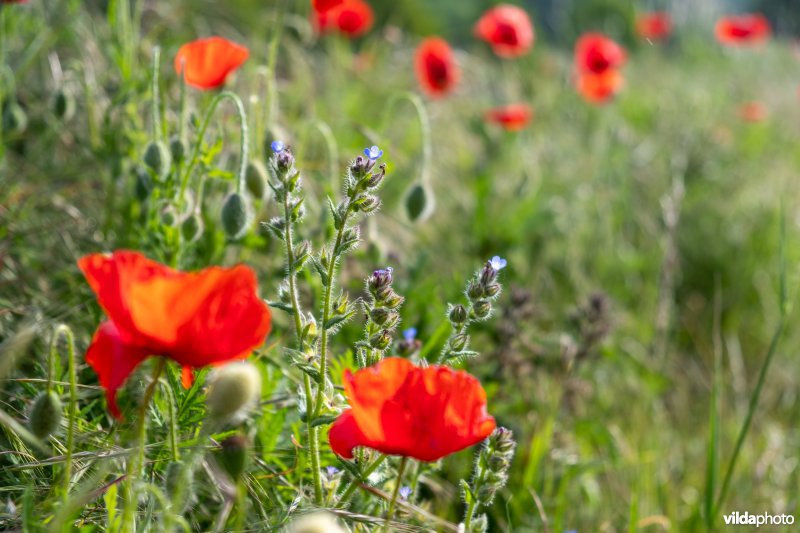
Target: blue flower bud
410,334
277,146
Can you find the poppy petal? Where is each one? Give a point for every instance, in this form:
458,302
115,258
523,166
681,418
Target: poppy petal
206,63
187,377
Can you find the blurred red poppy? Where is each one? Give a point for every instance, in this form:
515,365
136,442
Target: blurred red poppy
398,408
655,26
743,30
508,29
435,66
512,117
595,53
599,88
206,63
325,5
350,17
753,111
196,319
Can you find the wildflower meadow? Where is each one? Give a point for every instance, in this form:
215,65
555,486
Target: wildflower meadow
328,266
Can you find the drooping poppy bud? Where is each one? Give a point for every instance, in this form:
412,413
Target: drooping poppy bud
45,415
236,216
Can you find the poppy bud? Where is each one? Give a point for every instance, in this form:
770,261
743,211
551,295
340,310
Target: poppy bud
380,341
234,388
234,455
45,415
177,148
458,314
14,118
144,184
63,105
256,179
419,203
236,216
192,228
178,484
481,308
474,290
157,157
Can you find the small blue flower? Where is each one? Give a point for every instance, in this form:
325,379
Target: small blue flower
383,271
331,470
278,146
497,262
410,334
373,152
405,492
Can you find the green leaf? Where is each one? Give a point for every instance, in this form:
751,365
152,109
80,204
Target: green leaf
338,320
282,306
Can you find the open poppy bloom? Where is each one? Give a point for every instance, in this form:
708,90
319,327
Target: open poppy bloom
206,63
596,53
349,17
753,112
655,26
599,88
512,117
324,5
195,319
508,29
398,408
743,30
435,66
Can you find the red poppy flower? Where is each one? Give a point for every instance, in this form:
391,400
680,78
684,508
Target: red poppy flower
206,63
398,408
196,319
599,88
324,5
595,53
742,30
435,66
507,29
351,18
512,117
753,112
655,26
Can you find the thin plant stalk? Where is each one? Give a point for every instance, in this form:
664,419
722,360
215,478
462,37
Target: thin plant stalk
400,471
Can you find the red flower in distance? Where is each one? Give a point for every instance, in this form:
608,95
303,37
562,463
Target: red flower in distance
753,112
512,117
325,5
507,29
599,88
743,30
595,53
655,26
398,408
351,18
195,319
206,63
435,66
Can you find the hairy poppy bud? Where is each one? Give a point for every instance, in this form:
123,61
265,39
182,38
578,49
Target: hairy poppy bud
256,179
178,484
482,308
234,388
144,184
458,314
158,158
177,148
234,455
45,415
419,203
192,227
63,105
236,216
14,118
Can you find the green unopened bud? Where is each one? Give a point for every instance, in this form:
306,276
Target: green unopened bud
481,308
234,455
192,228
236,216
458,314
419,203
144,184
45,415
502,439
234,389
474,290
392,300
380,341
256,179
459,342
284,294
492,290
177,148
368,203
178,484
15,120
157,158
62,105
480,524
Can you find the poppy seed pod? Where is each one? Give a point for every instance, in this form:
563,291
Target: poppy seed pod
192,228
419,203
144,184
63,105
256,179
236,216
158,158
45,415
14,118
177,148
234,387
234,456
